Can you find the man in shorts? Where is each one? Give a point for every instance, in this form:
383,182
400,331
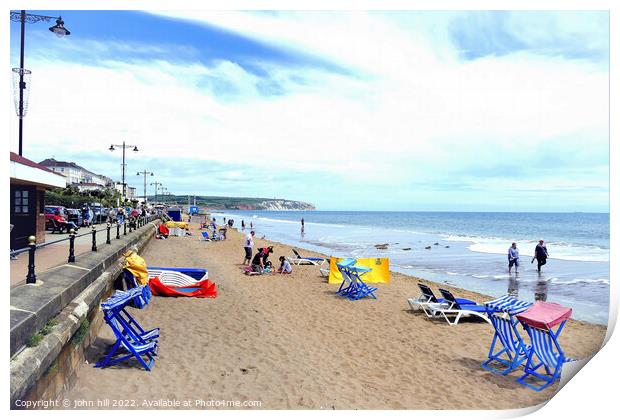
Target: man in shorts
247,246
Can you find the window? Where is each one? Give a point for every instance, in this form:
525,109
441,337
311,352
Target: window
21,202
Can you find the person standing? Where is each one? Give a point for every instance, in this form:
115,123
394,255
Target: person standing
242,224
513,258
302,225
540,254
247,246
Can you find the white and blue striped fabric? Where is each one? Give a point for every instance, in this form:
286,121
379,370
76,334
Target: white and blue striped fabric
544,347
505,332
507,304
120,297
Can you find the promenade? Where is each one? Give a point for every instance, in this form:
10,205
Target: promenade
54,255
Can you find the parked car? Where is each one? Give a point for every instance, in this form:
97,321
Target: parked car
56,218
96,208
75,216
104,214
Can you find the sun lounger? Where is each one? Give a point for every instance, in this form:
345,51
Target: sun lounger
507,347
546,358
131,339
428,302
299,260
452,311
352,286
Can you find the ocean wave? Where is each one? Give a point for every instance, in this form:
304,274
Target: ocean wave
557,250
602,281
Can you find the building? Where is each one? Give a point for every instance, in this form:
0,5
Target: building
130,192
75,173
29,180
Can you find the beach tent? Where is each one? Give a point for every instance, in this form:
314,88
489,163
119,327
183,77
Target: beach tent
202,289
188,282
193,210
380,270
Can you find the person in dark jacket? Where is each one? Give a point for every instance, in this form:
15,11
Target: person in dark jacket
257,261
540,254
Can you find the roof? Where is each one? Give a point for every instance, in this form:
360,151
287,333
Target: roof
20,159
26,172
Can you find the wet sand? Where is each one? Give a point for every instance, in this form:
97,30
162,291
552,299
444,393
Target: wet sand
291,343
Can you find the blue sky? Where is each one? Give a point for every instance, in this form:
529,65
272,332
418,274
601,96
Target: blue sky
480,111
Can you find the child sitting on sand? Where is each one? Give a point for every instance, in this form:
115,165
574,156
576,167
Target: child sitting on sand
285,266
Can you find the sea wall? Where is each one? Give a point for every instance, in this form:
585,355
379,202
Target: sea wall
63,309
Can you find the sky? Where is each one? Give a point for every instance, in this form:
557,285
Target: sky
367,110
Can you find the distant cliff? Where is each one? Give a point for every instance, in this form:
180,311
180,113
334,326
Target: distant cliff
235,203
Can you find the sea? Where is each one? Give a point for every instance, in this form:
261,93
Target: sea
467,249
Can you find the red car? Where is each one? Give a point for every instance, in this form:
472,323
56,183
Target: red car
56,218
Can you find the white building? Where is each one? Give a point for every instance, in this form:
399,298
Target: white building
130,192
75,174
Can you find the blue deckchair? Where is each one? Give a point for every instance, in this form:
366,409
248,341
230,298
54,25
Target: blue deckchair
205,235
546,358
142,299
507,347
352,286
131,338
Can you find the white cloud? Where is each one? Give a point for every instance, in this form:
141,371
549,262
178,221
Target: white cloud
410,109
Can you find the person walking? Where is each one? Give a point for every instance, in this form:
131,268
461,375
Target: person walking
247,246
540,254
513,257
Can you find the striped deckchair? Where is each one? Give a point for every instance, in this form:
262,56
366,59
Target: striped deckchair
546,358
507,347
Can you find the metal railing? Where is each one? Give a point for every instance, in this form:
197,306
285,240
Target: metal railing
130,224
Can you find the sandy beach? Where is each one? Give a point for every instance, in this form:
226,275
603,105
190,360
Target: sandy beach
291,343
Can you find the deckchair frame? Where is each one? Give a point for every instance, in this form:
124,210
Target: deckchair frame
545,353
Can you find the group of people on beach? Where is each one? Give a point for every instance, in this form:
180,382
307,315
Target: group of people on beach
540,255
260,263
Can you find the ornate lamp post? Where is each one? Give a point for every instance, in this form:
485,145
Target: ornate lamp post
145,173
123,146
21,75
157,185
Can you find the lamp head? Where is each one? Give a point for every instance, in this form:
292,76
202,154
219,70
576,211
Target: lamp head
135,148
59,29
111,148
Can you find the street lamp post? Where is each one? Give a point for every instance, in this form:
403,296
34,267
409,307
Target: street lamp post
145,173
123,146
59,29
157,185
